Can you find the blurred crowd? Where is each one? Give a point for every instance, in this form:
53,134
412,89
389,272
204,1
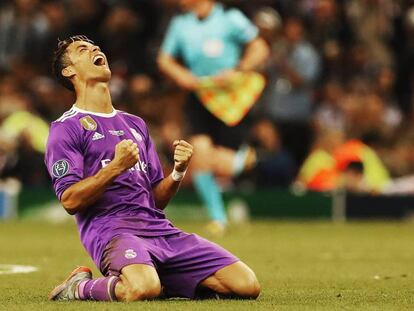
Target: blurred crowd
338,100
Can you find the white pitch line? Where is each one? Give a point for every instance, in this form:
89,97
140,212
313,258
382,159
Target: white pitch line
15,269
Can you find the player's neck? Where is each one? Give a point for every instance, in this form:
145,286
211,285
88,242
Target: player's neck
204,9
94,97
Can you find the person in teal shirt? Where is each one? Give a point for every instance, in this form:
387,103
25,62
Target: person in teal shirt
210,45
208,40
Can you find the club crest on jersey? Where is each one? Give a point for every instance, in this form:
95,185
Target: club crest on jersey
60,168
130,254
88,123
137,135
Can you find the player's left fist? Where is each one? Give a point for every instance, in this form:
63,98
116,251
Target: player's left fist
182,154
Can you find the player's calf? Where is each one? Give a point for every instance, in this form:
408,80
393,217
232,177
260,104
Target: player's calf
139,283
129,293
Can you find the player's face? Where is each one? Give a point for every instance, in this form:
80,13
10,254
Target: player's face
88,62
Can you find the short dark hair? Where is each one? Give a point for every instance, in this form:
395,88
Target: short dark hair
61,60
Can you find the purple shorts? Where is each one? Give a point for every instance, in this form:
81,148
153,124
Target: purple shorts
182,260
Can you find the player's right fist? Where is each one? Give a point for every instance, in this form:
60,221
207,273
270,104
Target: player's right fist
126,154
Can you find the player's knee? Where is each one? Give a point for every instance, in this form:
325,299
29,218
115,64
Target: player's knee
203,149
250,289
247,286
202,143
151,289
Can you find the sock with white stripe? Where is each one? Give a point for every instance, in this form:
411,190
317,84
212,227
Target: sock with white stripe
101,289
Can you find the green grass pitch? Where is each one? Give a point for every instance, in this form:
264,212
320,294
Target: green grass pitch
301,266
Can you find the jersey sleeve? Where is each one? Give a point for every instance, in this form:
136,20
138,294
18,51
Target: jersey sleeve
63,158
243,30
171,44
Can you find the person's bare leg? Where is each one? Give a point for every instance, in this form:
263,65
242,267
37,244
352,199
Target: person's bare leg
234,281
230,163
203,156
205,184
138,282
221,161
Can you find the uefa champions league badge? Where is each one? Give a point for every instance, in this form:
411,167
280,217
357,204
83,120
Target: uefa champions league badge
60,168
88,123
130,254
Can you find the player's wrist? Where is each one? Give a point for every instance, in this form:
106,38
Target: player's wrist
114,168
177,175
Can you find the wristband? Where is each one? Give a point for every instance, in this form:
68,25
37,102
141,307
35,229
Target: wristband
177,176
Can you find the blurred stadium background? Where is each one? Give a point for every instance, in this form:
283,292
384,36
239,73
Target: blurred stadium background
347,124
338,144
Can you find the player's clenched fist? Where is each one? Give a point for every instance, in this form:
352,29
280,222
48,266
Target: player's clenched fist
126,154
182,155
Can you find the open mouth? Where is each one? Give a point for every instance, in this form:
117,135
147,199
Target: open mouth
99,60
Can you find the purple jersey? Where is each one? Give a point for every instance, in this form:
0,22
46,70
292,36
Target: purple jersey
80,144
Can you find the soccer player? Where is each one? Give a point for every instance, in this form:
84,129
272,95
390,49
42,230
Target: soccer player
106,172
211,42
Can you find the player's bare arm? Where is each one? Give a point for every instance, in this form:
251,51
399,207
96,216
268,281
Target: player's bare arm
176,72
168,187
255,54
86,192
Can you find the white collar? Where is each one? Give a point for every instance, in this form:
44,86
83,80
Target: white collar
99,114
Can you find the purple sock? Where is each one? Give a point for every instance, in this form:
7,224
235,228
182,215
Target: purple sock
102,289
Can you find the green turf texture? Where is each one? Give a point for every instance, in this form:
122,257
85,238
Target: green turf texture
301,266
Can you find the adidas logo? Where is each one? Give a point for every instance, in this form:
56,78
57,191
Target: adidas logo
97,136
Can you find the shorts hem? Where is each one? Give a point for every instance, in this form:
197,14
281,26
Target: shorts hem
118,272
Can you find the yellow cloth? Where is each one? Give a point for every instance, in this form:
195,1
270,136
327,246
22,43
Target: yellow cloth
316,161
231,103
318,172
375,173
321,170
36,128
